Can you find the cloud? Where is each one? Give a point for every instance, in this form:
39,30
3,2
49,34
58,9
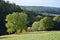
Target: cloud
36,2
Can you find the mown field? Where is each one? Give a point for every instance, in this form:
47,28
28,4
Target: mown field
53,35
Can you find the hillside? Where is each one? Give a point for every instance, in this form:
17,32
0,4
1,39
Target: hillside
50,10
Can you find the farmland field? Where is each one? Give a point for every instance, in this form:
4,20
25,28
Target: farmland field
53,35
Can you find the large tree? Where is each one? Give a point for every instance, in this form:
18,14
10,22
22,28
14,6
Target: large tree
46,23
6,8
16,22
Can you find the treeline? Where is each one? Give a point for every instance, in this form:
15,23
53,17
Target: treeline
13,19
41,9
17,23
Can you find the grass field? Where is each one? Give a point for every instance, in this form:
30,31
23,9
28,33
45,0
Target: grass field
53,35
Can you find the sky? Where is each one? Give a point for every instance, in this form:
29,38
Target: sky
49,3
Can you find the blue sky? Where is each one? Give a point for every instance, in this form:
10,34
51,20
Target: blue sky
50,3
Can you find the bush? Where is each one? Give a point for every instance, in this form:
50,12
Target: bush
29,29
35,26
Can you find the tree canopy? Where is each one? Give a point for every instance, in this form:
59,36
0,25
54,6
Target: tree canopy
16,22
35,26
5,9
46,23
56,18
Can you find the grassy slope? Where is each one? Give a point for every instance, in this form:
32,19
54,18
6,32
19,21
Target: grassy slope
40,36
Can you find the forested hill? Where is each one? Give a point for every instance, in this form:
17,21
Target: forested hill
51,10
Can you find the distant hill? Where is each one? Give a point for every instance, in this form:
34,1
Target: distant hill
50,10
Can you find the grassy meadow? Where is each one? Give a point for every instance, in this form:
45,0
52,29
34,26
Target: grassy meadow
53,35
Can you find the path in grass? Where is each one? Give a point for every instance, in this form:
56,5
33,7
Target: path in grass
55,35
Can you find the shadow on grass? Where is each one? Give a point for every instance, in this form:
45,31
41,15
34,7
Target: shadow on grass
4,37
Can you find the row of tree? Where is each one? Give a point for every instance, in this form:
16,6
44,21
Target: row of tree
45,24
17,23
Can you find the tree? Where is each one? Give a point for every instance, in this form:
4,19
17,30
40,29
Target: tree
16,22
35,26
56,20
45,23
31,17
6,8
38,17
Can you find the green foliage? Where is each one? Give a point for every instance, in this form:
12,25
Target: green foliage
42,9
31,17
29,29
32,12
6,8
56,19
46,14
10,27
16,22
45,23
38,17
35,26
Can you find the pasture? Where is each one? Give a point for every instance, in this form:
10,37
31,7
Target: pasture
53,35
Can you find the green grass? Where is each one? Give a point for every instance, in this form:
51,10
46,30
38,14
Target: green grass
54,35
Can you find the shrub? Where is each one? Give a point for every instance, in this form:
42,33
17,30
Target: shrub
35,26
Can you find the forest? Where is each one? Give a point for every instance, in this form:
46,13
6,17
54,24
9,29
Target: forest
17,19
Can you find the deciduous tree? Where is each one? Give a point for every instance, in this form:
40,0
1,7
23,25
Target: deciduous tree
16,22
